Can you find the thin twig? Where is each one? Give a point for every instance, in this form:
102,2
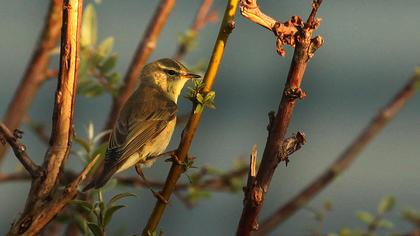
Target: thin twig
43,201
144,50
214,184
344,161
36,71
298,34
19,149
192,124
204,16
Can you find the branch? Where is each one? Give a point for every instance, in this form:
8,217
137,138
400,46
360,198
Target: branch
192,124
344,161
19,149
204,15
141,56
298,34
45,200
36,70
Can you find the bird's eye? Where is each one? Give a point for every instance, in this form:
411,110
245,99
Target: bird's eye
171,72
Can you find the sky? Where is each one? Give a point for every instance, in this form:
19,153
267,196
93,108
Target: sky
371,49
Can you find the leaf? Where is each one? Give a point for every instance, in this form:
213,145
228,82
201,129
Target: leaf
90,130
81,203
200,98
386,204
109,212
365,217
93,91
100,135
83,143
95,229
89,27
198,108
210,96
328,205
108,64
105,47
117,197
411,215
385,224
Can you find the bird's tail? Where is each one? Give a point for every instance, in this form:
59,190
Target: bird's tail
99,178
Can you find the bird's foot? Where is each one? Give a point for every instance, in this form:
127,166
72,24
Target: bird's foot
186,164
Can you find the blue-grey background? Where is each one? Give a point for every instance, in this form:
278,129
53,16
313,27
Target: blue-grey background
371,50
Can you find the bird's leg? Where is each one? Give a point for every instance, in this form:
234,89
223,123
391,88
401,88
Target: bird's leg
147,183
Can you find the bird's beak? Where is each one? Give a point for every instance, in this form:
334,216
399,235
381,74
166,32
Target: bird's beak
189,75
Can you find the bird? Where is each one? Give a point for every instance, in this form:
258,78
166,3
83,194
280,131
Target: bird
146,122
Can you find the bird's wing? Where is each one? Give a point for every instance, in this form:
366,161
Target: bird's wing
142,120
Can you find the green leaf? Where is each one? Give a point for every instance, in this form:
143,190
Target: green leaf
89,27
117,197
109,212
108,64
210,105
85,145
386,204
411,215
210,96
81,203
199,108
365,217
200,98
105,47
385,224
328,205
93,91
95,229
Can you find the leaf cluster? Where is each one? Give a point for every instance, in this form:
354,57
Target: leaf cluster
98,215
200,99
97,61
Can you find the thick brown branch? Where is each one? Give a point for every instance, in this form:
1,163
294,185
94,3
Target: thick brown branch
36,70
201,19
192,124
344,160
19,149
275,149
144,50
43,201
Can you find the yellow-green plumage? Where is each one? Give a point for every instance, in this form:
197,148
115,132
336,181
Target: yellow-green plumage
147,120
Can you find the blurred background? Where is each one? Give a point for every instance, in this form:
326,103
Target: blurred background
372,48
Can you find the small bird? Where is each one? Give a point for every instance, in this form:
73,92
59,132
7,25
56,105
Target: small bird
146,122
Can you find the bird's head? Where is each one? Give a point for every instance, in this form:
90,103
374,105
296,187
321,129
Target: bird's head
168,74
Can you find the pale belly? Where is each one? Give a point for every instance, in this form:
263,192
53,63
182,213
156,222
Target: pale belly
151,149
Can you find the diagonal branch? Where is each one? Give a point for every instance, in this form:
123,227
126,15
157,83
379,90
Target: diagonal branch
192,124
144,50
298,34
36,70
19,150
344,161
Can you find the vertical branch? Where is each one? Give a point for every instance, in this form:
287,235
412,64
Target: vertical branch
344,161
43,203
144,50
176,170
278,148
36,70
